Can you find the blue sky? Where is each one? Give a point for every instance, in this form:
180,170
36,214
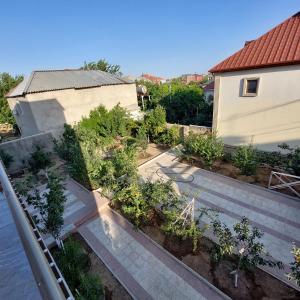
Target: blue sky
166,38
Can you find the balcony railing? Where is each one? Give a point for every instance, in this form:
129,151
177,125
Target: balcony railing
49,279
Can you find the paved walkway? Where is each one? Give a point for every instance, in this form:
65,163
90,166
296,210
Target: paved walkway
276,214
145,269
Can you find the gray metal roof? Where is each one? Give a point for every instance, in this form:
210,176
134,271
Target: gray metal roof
16,278
42,81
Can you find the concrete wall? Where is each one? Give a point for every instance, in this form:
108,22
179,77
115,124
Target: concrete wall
48,111
186,129
21,149
266,120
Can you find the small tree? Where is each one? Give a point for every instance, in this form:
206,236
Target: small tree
246,160
295,265
244,240
39,160
155,121
50,207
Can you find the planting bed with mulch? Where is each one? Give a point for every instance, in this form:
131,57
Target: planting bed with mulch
256,284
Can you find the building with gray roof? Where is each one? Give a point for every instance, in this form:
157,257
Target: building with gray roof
45,100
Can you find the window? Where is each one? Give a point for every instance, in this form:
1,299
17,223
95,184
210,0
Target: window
250,87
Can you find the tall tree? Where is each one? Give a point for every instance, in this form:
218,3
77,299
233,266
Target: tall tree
102,65
7,82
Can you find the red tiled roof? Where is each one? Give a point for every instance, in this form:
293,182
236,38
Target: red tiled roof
279,46
209,87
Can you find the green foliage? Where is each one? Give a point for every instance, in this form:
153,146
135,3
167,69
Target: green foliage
83,146
7,82
208,147
155,121
245,240
245,159
184,104
51,208
25,184
295,265
72,262
124,162
6,158
90,287
170,136
102,65
186,229
39,160
142,138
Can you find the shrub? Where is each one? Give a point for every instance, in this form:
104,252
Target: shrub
132,203
245,159
90,287
39,160
295,266
176,225
245,240
124,162
72,262
155,121
208,147
142,138
170,136
6,158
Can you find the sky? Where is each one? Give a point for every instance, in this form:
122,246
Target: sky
165,38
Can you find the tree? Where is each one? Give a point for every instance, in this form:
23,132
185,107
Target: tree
102,65
50,207
244,240
7,82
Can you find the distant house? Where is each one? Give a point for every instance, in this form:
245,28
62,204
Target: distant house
47,99
187,78
208,91
152,78
257,90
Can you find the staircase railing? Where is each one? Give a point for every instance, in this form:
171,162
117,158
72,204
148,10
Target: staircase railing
284,180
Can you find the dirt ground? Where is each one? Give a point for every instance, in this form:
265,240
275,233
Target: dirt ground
251,285
152,151
113,289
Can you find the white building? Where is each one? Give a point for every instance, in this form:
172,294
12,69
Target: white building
48,99
257,90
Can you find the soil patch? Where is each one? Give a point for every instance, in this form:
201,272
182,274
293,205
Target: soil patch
113,289
152,151
251,285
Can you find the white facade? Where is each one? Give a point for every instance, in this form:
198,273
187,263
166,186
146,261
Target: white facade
265,120
48,111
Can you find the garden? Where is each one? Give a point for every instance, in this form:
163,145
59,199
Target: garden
102,152
243,163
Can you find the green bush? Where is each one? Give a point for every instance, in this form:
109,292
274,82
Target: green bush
155,121
124,162
245,159
170,136
90,287
6,158
208,147
39,160
72,262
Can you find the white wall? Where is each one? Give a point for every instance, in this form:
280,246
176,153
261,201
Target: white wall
270,118
48,111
